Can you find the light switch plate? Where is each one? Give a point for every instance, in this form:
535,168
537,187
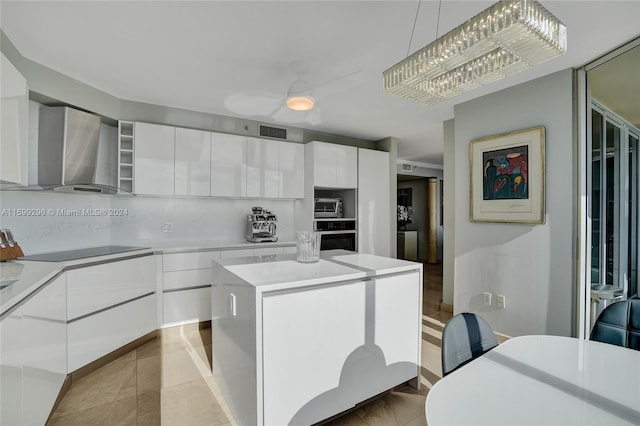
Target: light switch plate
486,298
502,302
167,227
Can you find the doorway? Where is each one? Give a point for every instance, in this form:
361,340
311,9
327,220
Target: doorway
611,157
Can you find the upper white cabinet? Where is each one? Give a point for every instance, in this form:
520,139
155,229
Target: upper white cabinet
228,165
154,159
334,166
291,166
374,215
14,129
177,161
263,168
192,162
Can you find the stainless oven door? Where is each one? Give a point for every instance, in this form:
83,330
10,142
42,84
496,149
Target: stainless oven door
332,240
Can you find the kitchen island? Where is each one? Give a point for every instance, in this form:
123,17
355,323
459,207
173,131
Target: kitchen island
297,343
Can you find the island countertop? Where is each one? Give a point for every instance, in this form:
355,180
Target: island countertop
283,271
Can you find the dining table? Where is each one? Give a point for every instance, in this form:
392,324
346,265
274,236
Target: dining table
541,380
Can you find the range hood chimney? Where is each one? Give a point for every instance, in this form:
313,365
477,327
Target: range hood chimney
68,151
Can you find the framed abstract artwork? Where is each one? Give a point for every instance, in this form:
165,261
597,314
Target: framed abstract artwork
507,177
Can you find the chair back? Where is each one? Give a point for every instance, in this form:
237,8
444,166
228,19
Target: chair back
619,324
465,337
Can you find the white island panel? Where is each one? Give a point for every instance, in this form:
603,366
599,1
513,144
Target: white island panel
297,343
307,339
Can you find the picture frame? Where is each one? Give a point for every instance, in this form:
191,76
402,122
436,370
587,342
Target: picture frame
507,177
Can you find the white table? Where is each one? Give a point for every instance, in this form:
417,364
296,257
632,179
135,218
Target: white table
541,380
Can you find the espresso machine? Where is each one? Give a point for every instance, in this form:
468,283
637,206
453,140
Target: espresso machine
261,226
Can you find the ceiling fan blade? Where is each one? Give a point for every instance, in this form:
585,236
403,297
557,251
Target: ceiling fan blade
254,103
338,84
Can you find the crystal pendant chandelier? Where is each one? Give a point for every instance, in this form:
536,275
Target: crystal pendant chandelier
508,37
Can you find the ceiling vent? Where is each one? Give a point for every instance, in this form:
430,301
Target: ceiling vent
408,168
273,132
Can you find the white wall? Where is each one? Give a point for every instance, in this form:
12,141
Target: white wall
531,265
196,221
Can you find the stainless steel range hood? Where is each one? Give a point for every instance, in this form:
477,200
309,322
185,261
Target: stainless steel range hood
68,151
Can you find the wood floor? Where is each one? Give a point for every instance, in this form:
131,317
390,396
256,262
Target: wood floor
167,381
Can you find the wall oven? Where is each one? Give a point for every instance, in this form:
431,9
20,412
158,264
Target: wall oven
337,234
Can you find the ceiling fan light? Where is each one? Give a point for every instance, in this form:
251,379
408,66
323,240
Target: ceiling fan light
300,103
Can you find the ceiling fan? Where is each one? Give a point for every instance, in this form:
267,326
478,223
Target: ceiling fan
302,102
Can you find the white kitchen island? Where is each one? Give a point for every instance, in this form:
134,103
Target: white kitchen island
294,343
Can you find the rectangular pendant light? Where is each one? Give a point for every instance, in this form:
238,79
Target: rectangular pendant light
508,37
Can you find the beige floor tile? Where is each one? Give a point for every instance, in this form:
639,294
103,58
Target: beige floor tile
350,419
421,420
90,416
171,369
377,413
406,404
191,404
149,403
122,412
113,381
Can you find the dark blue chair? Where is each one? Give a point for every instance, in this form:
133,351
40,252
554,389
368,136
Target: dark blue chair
465,337
619,324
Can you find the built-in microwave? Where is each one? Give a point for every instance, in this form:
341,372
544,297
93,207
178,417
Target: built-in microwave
336,234
327,208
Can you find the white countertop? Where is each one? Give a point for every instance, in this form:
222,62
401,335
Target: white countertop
30,275
278,272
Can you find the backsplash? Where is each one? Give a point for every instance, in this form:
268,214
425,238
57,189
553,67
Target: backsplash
44,221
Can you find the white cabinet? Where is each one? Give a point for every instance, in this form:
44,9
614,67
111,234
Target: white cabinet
228,165
154,156
334,166
374,214
105,331
33,355
108,306
14,113
11,354
327,349
291,166
125,155
44,369
192,162
263,168
186,287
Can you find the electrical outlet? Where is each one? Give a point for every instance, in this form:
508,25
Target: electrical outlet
502,302
167,227
487,298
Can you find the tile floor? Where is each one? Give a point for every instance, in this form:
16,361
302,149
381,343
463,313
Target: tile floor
167,381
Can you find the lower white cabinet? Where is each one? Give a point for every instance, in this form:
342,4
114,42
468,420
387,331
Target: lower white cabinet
96,335
33,355
329,324
108,306
187,279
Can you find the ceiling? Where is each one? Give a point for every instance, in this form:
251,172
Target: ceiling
234,58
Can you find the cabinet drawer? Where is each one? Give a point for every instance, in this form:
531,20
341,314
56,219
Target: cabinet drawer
97,335
236,253
184,279
184,261
97,287
186,306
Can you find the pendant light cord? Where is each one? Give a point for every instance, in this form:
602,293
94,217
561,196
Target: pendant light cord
415,20
414,27
438,22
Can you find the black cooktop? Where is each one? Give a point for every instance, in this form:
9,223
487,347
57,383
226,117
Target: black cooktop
63,256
